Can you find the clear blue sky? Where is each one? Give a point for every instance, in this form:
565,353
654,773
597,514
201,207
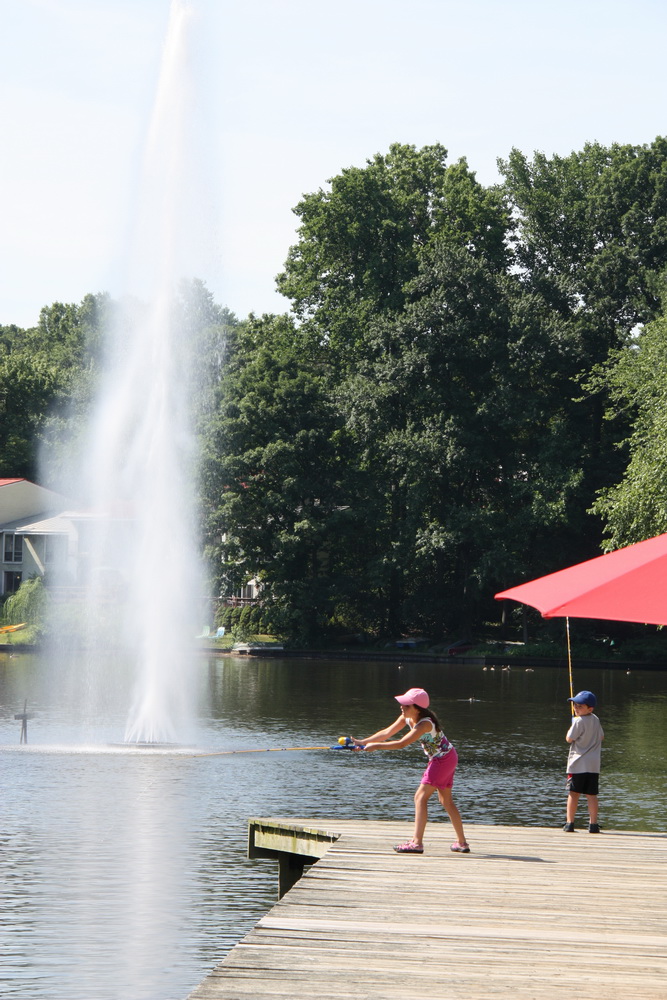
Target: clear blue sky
290,92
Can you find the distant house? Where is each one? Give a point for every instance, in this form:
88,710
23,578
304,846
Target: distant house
247,594
43,534
38,533
239,596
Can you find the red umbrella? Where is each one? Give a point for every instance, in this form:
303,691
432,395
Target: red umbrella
627,585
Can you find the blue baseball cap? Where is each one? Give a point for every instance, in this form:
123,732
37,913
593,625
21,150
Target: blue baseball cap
585,698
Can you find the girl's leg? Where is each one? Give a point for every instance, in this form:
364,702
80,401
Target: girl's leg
422,795
448,804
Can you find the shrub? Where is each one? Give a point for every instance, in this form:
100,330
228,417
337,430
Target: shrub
28,604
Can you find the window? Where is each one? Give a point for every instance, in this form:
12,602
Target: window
13,548
12,582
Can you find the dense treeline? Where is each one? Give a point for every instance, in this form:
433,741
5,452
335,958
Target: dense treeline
467,390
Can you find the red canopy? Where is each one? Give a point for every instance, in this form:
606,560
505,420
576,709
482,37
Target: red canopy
628,585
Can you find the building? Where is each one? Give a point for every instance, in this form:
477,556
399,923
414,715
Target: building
38,534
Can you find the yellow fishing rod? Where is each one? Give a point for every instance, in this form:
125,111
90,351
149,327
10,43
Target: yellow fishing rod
344,743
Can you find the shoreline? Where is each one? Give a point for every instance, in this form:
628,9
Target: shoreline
404,657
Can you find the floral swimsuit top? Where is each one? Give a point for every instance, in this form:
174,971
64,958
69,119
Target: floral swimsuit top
435,744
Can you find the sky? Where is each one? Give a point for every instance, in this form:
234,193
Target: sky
285,94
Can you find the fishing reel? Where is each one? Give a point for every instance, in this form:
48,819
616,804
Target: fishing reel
345,743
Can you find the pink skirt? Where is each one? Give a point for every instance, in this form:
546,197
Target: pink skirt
440,771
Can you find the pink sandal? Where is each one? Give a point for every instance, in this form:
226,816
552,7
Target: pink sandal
409,847
459,848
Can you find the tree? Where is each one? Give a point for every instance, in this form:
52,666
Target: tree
423,407
46,378
29,385
635,508
591,244
360,242
355,278
275,476
592,230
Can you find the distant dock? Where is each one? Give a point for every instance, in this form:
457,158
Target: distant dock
530,914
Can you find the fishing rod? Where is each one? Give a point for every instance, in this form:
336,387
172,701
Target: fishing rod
344,743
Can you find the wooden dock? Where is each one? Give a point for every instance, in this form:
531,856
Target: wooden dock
530,914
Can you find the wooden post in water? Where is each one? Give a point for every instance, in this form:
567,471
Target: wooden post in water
24,716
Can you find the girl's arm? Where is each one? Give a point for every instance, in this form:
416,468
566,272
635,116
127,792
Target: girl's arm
383,734
420,730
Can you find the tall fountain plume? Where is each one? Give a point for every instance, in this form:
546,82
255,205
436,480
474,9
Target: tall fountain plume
142,576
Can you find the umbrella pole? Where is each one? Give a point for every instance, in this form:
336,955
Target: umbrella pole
569,662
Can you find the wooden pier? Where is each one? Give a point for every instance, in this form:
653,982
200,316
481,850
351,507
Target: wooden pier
530,914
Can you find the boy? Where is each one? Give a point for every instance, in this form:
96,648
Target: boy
585,737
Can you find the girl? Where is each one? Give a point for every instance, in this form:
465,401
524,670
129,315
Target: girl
438,777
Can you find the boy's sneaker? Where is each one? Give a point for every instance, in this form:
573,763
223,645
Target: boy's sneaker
569,828
593,828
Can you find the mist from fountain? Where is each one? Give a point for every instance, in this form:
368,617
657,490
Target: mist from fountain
138,548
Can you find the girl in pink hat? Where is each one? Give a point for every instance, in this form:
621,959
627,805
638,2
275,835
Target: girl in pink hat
423,726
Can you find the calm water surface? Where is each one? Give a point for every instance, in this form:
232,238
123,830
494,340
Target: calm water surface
123,873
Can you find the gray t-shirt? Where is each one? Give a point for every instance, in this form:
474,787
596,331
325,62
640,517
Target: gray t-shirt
584,755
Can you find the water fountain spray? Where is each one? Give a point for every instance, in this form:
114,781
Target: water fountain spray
141,542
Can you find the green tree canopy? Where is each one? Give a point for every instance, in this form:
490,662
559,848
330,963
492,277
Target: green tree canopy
360,242
635,508
275,476
593,231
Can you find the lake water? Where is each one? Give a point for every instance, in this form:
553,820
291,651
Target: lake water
123,873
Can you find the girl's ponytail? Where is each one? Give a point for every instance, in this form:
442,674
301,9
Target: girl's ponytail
427,713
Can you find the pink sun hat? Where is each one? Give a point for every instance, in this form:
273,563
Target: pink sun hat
415,696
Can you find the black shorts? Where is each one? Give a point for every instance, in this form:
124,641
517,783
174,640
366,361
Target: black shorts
585,783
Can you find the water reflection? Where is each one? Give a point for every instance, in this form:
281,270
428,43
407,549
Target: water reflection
123,873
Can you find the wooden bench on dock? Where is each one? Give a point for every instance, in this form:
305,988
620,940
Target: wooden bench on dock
530,914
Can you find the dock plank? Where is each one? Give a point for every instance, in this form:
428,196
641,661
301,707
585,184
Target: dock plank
530,914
